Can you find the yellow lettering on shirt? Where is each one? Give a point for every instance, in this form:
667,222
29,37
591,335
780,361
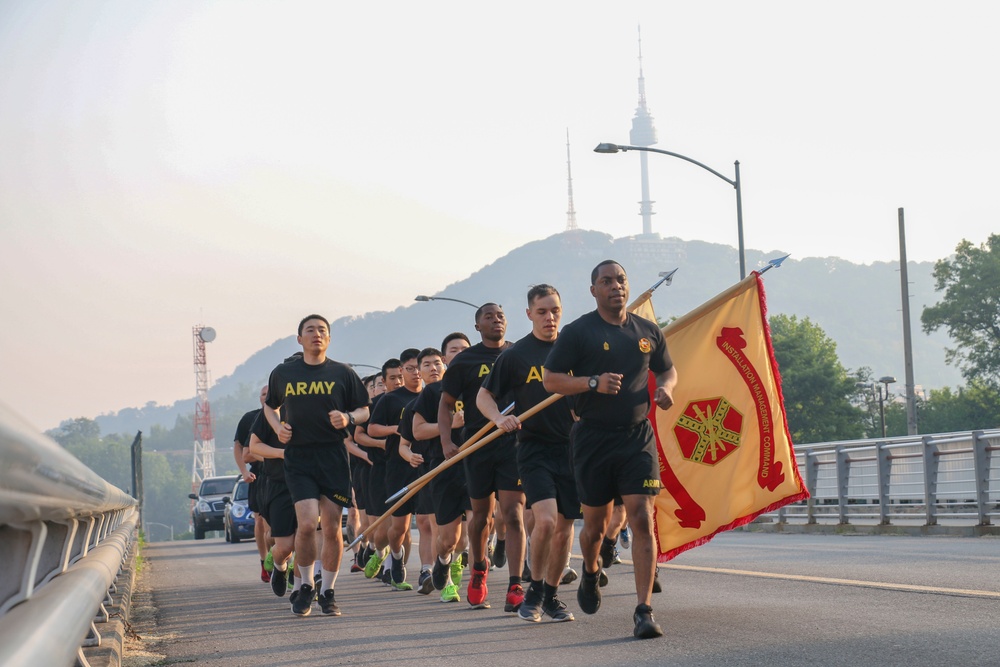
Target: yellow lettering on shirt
320,387
484,370
459,406
535,374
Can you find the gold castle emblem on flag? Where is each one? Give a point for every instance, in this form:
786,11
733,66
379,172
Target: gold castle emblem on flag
708,430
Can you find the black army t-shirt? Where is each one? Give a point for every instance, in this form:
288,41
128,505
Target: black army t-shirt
464,377
307,393
388,413
518,373
243,437
273,468
590,346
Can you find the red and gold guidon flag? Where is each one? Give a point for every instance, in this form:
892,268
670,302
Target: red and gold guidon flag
725,453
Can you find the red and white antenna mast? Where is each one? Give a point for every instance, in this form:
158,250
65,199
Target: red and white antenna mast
204,438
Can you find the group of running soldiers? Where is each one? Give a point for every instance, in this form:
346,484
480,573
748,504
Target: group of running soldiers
325,439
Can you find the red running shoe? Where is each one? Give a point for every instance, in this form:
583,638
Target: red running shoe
477,591
265,576
515,596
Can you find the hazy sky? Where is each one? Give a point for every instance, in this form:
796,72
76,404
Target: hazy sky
240,164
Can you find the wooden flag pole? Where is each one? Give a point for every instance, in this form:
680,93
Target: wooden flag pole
465,450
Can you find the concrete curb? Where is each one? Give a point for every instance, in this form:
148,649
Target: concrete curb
109,653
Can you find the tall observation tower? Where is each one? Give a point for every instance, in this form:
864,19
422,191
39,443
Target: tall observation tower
571,211
643,134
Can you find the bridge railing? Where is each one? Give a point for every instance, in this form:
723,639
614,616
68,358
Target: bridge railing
64,534
887,481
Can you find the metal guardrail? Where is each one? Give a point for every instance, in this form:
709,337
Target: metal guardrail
887,481
64,535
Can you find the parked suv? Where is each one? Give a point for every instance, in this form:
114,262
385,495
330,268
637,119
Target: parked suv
209,507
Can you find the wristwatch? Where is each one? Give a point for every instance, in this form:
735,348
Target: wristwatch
593,382
350,419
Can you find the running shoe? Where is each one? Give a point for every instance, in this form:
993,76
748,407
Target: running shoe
531,606
302,604
327,604
424,582
603,578
291,579
355,567
269,561
386,577
457,567
477,591
439,573
556,610
265,576
569,576
607,553
279,582
450,593
657,588
646,626
515,596
625,537
373,564
525,572
397,574
499,554
588,595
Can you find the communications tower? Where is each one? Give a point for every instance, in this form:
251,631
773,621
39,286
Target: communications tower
204,439
571,211
643,134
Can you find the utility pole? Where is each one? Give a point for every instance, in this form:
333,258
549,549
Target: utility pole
911,399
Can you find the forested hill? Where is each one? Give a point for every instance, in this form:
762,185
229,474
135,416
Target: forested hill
858,306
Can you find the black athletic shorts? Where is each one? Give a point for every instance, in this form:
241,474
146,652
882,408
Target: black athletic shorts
449,495
278,509
254,494
375,489
614,462
359,481
546,472
425,501
493,468
311,472
399,473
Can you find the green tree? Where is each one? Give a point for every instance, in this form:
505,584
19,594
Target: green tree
110,456
817,388
970,308
945,411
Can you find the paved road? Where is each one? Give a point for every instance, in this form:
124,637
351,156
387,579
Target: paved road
743,599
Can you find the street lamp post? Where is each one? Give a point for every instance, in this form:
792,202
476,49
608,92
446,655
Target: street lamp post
153,523
882,396
614,148
881,393
353,365
421,297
